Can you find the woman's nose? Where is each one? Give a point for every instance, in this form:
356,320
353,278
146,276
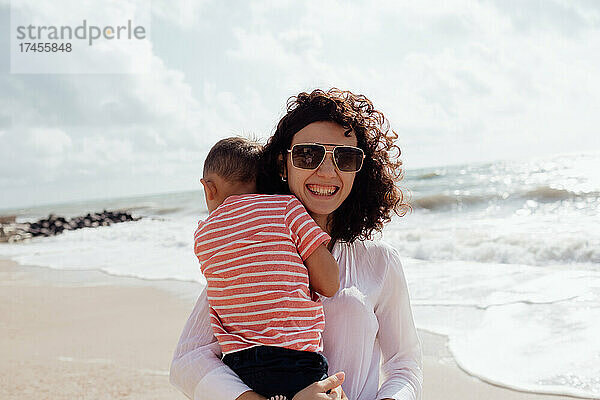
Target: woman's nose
327,167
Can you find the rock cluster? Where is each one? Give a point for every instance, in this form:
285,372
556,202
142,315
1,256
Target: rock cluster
53,225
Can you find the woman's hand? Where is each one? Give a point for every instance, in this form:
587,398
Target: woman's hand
318,390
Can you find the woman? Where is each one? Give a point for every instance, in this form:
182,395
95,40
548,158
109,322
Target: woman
335,153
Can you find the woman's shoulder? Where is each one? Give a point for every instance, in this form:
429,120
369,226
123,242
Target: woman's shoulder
375,256
372,263
374,249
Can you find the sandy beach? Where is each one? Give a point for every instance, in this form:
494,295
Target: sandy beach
113,338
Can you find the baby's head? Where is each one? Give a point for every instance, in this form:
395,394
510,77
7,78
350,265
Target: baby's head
229,169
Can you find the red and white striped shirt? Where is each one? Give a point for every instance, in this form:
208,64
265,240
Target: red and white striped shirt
251,250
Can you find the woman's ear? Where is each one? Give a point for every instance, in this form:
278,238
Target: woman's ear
282,168
210,189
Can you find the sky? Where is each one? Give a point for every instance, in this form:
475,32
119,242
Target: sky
460,82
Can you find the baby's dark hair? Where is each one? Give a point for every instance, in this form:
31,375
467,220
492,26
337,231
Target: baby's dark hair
235,159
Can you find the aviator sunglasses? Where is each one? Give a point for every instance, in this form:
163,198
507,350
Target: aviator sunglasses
312,155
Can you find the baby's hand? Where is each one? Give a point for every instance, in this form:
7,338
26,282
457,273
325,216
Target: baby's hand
278,397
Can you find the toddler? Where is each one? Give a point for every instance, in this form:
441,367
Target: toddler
263,258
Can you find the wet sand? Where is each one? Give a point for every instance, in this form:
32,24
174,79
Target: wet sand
87,335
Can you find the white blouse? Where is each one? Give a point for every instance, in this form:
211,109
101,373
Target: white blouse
368,325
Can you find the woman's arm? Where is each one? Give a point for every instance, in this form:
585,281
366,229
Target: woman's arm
197,369
400,346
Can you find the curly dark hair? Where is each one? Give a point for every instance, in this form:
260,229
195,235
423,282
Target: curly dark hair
360,215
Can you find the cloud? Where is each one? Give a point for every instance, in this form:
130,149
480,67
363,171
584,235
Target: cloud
498,78
32,153
186,13
46,142
460,81
567,17
69,128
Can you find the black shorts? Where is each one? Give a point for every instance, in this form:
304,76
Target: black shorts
270,370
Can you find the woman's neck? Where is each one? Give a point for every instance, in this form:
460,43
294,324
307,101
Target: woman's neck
322,220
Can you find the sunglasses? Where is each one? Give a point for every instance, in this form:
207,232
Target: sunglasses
311,156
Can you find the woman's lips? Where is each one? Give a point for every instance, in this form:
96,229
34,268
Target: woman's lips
322,190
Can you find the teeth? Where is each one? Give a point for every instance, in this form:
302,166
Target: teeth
322,190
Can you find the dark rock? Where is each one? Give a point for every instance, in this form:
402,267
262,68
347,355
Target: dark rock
53,225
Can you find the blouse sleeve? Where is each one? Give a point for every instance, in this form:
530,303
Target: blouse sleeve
402,366
197,369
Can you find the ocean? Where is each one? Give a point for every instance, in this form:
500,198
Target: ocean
502,257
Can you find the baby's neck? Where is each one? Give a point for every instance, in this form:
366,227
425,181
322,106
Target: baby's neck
247,188
237,190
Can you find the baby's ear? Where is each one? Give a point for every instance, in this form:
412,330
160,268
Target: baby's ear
210,189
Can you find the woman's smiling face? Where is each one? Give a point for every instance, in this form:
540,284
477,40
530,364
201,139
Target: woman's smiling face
322,190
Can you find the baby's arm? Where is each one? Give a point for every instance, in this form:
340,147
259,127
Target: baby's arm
323,272
309,238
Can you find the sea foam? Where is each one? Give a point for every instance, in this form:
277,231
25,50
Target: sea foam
503,257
